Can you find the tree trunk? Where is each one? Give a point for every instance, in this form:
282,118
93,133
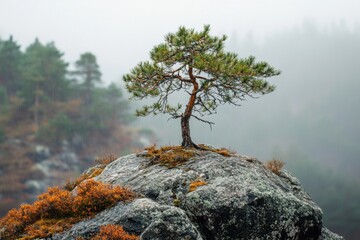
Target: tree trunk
36,112
185,132
185,127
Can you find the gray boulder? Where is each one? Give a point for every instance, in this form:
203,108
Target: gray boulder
240,200
142,217
39,153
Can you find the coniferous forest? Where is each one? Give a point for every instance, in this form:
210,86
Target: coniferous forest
51,109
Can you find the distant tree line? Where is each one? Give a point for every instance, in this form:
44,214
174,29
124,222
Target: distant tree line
39,93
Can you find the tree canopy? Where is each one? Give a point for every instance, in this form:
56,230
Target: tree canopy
88,72
10,56
198,64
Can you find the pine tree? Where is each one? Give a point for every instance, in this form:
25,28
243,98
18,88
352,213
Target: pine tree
197,63
105,109
10,57
88,72
44,78
115,104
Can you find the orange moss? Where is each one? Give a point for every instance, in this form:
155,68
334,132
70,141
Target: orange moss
113,232
170,156
195,184
275,165
61,206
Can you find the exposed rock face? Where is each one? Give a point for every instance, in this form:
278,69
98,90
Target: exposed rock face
40,153
153,220
241,200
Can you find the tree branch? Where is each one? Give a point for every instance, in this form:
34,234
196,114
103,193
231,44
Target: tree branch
205,121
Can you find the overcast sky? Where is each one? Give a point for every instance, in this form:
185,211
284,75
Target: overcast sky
121,33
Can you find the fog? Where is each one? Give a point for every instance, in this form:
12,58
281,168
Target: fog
311,120
122,33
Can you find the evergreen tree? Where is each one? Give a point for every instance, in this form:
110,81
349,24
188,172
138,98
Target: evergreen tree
113,98
105,109
107,105
10,57
198,64
88,72
44,78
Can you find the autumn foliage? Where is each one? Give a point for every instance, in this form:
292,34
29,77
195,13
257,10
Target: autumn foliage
57,209
93,197
113,232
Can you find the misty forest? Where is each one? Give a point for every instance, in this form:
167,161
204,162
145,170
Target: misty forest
57,118
71,112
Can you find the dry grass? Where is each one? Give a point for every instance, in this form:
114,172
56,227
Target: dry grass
95,171
172,156
195,184
222,151
113,232
46,227
105,159
275,165
57,209
70,185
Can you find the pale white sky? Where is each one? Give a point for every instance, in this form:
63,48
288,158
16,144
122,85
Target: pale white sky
121,33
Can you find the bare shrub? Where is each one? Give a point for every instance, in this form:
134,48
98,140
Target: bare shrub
275,165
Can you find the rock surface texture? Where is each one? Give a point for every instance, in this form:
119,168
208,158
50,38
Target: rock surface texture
240,200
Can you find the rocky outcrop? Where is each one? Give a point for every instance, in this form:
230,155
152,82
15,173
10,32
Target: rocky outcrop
153,220
239,199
